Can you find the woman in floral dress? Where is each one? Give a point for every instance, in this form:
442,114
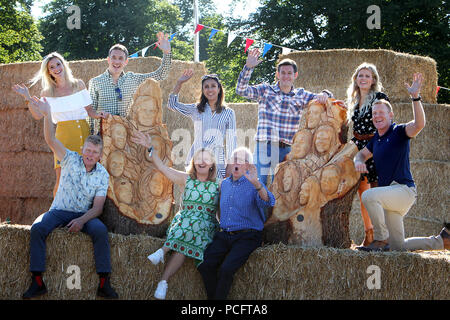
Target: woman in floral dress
194,226
364,90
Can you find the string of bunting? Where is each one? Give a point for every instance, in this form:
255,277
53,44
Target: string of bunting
231,36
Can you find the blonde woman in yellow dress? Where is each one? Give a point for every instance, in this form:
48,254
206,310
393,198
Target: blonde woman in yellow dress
70,104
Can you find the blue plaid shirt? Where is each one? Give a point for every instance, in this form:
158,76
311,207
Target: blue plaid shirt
278,113
241,207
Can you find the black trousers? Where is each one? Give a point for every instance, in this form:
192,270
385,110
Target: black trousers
223,257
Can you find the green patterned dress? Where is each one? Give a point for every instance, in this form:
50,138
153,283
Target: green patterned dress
193,227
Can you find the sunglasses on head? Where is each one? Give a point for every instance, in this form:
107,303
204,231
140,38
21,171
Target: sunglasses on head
210,76
119,94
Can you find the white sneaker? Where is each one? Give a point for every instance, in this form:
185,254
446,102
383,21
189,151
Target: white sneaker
161,290
157,256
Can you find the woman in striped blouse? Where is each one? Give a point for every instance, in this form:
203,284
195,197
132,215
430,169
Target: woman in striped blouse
214,123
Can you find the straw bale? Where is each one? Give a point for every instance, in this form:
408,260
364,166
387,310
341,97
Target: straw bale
332,69
272,272
432,143
19,131
23,210
26,174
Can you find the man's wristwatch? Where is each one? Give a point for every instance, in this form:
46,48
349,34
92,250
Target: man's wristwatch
416,99
150,150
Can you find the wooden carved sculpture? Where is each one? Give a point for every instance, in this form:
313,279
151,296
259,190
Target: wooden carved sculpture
318,170
137,189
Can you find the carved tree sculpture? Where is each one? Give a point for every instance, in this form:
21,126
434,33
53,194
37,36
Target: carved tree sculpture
139,197
318,170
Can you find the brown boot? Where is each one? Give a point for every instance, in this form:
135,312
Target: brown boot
368,238
446,236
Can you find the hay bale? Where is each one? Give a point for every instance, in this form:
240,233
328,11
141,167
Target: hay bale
23,210
332,69
272,272
26,174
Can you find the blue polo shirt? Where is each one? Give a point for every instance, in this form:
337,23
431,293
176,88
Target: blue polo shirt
241,207
391,155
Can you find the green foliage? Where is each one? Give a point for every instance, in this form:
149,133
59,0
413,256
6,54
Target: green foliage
19,35
133,23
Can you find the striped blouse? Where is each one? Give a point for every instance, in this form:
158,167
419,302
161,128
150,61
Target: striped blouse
215,131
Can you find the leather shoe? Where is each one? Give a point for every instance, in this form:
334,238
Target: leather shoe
105,290
368,239
446,236
375,246
35,289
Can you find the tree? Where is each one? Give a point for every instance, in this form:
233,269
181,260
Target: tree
133,23
19,35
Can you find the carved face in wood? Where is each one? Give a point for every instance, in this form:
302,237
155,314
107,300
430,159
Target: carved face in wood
119,135
323,138
124,191
330,179
147,116
301,144
116,163
313,115
156,185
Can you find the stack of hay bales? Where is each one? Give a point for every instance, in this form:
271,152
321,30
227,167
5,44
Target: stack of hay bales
26,162
272,272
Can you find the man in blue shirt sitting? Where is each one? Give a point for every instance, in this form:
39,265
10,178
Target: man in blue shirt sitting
243,199
396,192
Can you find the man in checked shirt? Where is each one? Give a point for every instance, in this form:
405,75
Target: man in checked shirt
113,90
280,107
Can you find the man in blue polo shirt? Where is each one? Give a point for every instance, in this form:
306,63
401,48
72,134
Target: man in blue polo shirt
396,192
242,201
77,204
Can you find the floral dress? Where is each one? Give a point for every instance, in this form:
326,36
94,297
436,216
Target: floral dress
194,226
363,125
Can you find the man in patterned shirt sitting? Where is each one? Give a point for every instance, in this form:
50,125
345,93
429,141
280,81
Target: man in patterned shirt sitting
76,206
113,90
280,107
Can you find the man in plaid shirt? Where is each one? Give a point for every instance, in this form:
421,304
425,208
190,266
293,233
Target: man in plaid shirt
280,107
113,90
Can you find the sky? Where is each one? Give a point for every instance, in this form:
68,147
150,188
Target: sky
222,6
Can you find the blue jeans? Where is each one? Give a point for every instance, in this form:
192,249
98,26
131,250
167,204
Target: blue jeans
267,155
50,220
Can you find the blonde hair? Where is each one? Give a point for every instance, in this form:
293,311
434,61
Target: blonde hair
192,171
48,83
353,94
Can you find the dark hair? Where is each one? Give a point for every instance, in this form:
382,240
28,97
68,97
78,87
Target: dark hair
120,47
287,62
203,100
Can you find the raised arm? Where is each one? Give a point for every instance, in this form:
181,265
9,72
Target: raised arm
418,123
23,91
49,129
177,177
242,88
163,71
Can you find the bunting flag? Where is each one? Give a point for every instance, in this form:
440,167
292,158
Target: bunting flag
198,28
172,36
267,47
248,43
213,32
231,37
437,89
144,51
286,50
135,55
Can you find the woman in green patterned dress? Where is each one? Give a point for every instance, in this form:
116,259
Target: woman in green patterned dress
193,227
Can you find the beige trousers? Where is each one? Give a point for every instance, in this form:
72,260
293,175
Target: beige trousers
387,206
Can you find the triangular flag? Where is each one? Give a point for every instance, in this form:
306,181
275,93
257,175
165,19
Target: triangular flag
286,50
248,43
231,37
198,28
213,32
135,55
144,51
172,36
437,89
267,47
